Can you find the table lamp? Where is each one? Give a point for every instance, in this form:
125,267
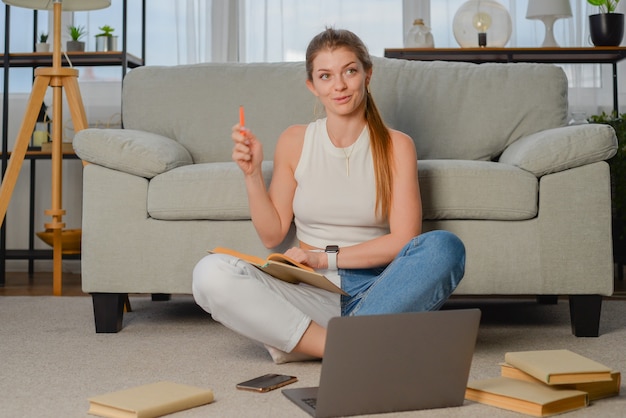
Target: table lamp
58,78
482,23
548,11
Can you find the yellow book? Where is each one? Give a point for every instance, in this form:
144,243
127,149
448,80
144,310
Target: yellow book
149,401
595,390
284,268
556,367
534,399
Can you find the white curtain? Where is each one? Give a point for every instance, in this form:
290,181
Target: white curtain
280,30
206,30
194,20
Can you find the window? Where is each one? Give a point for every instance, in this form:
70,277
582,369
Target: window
280,30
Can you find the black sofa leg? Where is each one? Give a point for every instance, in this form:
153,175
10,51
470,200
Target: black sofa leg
547,299
108,311
584,313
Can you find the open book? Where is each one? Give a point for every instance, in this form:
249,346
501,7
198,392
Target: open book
284,268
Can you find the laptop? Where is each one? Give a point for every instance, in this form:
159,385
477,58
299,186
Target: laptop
388,363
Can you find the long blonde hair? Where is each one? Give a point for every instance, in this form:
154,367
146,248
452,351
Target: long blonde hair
380,138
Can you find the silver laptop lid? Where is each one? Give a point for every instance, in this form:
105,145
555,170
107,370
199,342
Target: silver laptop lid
397,362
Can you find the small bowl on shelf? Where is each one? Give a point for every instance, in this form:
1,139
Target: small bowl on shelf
70,239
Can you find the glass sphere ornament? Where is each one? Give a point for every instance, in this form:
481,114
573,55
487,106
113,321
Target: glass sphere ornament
482,23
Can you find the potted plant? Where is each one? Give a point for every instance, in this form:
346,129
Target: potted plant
42,45
618,183
106,41
607,27
76,33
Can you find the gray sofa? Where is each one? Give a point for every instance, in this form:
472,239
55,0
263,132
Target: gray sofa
529,196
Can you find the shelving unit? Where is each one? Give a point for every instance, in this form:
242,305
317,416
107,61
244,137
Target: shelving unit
122,58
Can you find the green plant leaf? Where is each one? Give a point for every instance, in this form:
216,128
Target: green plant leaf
606,6
76,32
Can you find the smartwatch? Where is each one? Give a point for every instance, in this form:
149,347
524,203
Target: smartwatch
331,252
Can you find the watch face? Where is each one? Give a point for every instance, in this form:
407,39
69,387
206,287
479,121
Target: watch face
332,248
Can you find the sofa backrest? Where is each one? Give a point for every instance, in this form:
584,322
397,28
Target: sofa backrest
197,105
468,111
451,110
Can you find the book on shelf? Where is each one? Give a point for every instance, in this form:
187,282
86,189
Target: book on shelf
595,390
284,268
525,397
556,367
149,401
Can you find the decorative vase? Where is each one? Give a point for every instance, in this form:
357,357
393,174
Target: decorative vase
419,36
106,43
75,46
606,29
482,23
42,47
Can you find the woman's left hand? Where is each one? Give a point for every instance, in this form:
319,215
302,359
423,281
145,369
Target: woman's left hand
316,260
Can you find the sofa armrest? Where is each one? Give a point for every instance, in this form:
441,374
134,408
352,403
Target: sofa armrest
135,152
559,149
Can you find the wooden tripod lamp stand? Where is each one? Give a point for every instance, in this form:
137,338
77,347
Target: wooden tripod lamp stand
58,78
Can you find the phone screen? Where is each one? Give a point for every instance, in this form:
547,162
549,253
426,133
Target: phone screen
267,382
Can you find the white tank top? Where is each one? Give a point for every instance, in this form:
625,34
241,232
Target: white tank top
335,199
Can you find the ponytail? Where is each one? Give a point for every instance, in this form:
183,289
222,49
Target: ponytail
382,154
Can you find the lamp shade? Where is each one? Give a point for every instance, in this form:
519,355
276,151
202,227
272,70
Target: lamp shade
540,8
67,5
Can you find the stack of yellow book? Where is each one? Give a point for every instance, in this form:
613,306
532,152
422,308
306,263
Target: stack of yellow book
545,382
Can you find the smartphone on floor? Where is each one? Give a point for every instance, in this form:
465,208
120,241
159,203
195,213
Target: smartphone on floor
267,382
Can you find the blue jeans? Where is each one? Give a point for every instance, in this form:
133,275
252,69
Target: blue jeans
420,278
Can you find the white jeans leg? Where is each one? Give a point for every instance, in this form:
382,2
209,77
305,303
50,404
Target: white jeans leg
258,306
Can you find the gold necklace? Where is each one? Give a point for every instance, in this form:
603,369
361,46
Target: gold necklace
347,155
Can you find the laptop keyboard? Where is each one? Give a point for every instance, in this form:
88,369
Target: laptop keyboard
312,402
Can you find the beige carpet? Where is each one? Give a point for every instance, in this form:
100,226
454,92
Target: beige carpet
52,360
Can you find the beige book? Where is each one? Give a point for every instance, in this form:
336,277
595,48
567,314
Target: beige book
534,399
148,401
558,366
284,268
595,390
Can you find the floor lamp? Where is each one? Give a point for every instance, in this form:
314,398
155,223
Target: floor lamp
58,78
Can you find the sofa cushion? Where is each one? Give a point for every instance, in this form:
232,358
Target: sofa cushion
465,111
456,189
563,148
201,191
198,104
140,153
450,189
